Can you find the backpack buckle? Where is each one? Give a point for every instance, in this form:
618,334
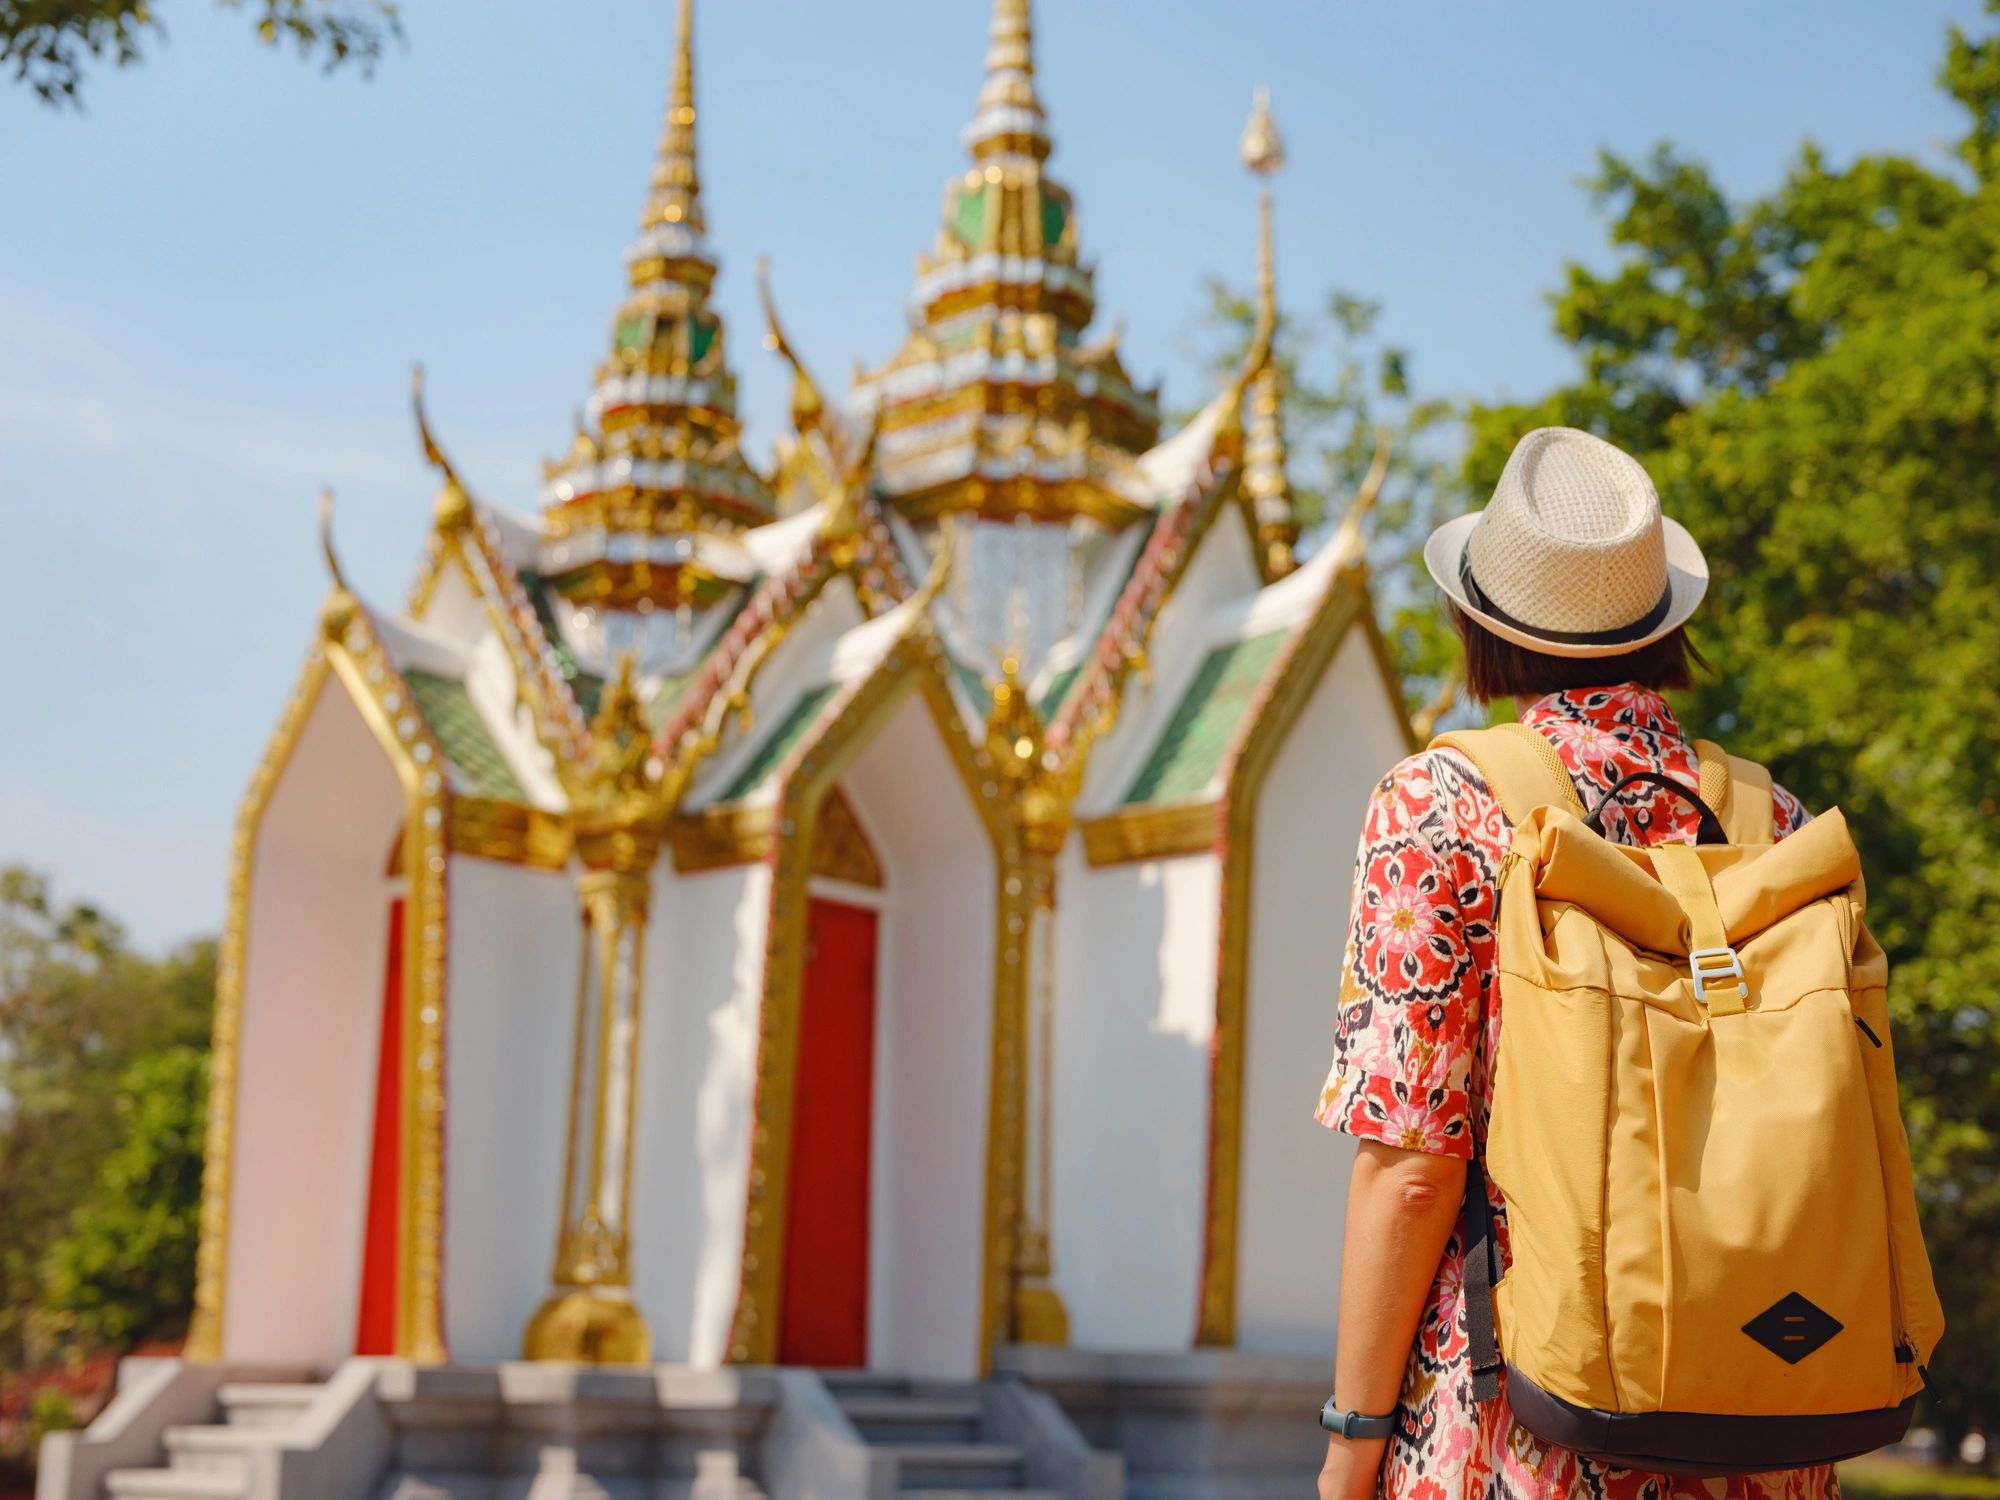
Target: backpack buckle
1718,966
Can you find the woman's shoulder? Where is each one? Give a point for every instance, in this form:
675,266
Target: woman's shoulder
1433,792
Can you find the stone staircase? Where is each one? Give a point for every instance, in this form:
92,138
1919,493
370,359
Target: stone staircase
937,1431
212,1461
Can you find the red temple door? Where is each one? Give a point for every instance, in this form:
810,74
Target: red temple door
375,1321
823,1317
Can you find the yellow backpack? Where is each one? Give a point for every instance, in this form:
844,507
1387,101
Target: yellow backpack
1716,1261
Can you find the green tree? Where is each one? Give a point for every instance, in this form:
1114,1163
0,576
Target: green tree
78,1010
124,1270
1811,378
48,43
1342,382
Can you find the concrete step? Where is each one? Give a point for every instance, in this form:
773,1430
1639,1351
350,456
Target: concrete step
913,1419
265,1404
957,1466
214,1450
845,1383
173,1484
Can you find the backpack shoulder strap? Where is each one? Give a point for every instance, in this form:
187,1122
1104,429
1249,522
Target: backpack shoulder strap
1519,765
1522,769
1739,791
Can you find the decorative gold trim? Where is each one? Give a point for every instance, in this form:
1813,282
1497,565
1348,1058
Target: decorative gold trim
383,701
510,832
913,664
1091,709
735,834
718,837
841,849
1287,689
1156,831
462,537
204,1343
348,651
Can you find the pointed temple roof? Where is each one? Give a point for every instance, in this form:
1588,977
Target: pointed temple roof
996,404
1264,484
656,457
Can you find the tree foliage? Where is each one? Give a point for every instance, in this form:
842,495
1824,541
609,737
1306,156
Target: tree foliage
124,1268
1342,383
1813,380
49,43
97,1050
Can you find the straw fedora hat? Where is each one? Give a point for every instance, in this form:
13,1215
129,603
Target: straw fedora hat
1571,555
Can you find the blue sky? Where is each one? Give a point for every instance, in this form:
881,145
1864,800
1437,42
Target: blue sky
214,279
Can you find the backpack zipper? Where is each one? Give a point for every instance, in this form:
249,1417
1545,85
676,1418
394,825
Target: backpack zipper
1906,1348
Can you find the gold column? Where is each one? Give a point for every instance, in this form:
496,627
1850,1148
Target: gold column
590,1316
1038,824
1039,1314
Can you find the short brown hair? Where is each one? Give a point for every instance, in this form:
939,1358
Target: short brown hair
1496,668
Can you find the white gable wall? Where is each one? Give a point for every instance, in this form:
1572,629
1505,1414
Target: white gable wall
307,1058
510,976
933,1049
801,661
697,1081
1135,1013
1294,1171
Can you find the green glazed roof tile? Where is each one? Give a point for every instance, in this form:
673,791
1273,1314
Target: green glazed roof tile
1191,748
464,737
776,745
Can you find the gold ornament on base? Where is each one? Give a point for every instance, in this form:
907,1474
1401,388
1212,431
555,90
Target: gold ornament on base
1039,1314
596,1325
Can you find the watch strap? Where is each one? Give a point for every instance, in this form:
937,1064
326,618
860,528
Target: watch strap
1353,1424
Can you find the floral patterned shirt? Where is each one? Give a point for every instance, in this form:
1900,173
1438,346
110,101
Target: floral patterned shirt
1418,1030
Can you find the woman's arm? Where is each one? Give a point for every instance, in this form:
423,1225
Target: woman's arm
1401,1206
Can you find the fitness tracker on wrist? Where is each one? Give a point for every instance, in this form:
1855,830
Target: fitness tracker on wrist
1352,1424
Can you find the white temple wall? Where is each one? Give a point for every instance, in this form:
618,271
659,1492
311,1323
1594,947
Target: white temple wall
510,976
802,661
1135,1012
306,1060
704,995
1223,568
933,1050
1294,1171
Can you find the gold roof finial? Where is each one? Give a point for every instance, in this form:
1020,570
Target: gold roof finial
326,540
453,505
1424,722
842,522
341,606
808,406
676,195
1009,115
1264,482
1263,148
1350,547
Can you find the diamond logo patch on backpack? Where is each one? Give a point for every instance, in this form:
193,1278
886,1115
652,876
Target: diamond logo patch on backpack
1792,1327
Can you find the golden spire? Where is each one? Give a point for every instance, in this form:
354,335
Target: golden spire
659,454
1264,482
1009,116
676,195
